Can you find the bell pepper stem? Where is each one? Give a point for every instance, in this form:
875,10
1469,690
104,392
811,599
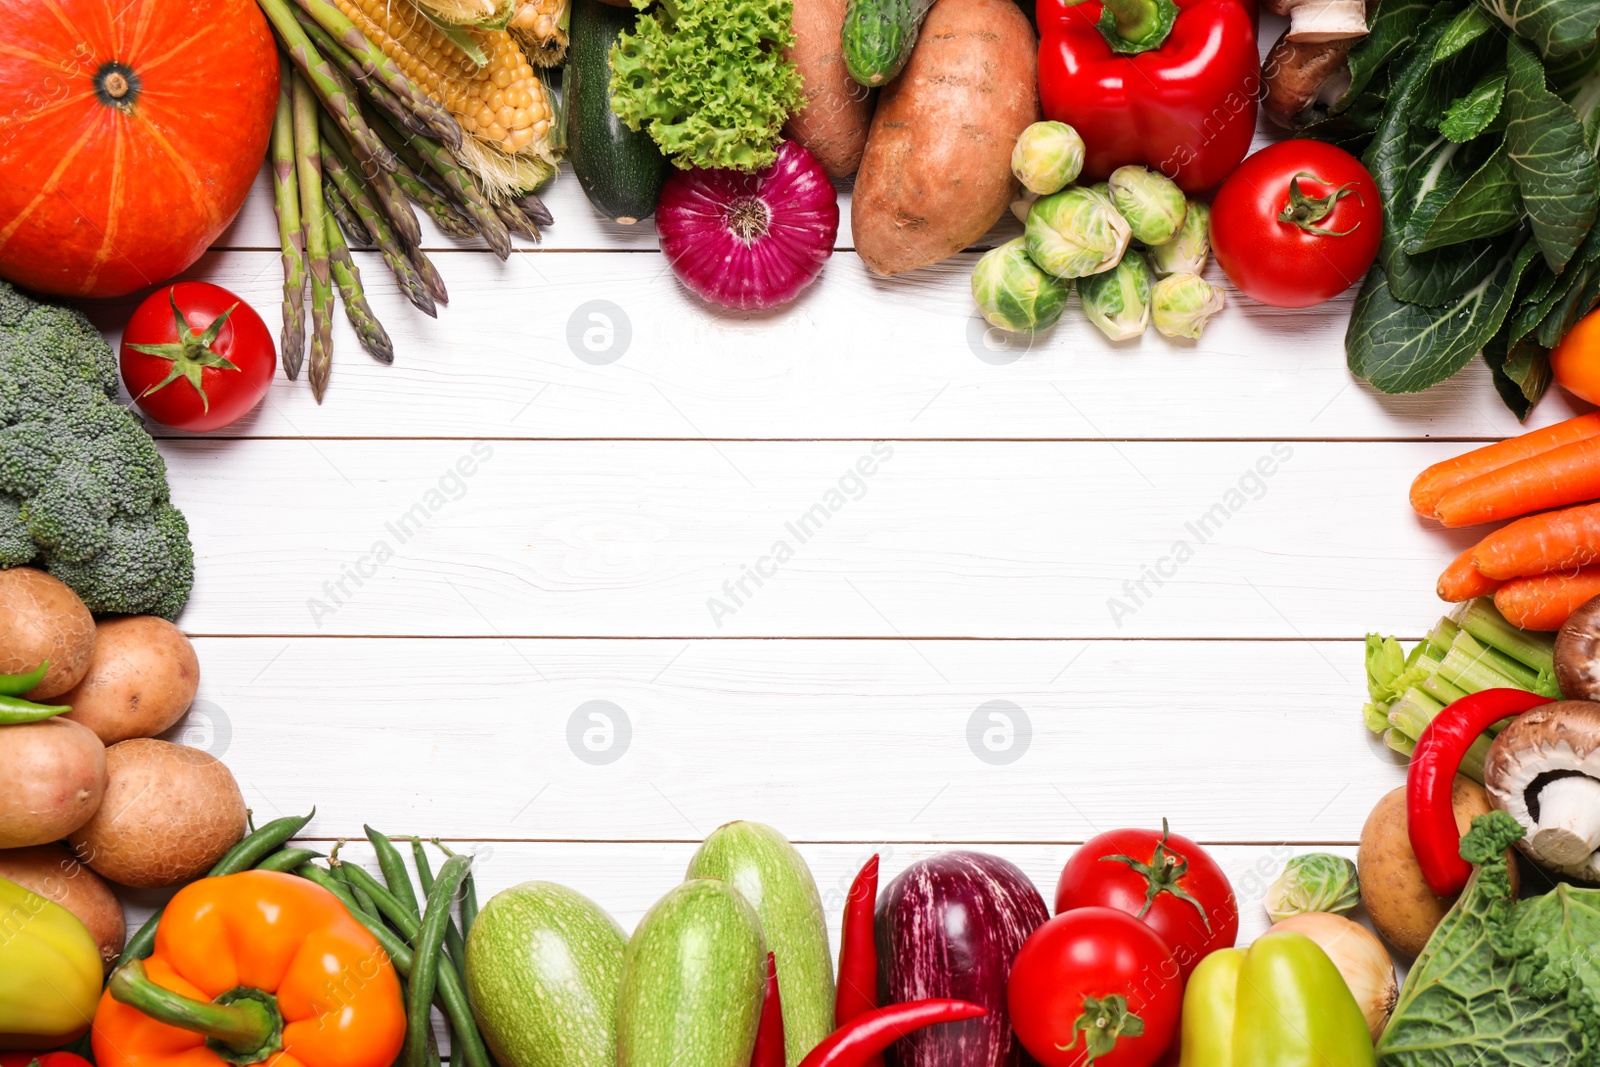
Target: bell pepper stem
1134,26
242,1026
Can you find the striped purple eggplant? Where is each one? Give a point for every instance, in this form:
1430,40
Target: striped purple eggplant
950,926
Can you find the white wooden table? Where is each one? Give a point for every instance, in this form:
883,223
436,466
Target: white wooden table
493,593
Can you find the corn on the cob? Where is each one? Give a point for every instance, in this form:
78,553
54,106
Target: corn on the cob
492,14
541,27
501,105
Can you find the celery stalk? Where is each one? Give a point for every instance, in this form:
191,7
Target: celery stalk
1442,690
1412,713
1469,666
1400,743
1441,637
1377,716
1534,651
1473,762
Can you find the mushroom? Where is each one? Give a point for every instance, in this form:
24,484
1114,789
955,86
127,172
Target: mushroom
1577,654
1544,771
1308,70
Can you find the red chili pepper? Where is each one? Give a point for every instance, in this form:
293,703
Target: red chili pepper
769,1051
1430,817
1171,84
866,1037
858,949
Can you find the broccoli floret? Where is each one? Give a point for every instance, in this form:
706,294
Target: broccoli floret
83,491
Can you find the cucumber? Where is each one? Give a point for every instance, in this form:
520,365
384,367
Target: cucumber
878,36
692,981
543,967
621,170
760,863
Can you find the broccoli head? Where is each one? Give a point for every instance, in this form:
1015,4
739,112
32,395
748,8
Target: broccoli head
83,491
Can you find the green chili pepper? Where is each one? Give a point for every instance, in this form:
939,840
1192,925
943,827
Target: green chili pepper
14,685
14,711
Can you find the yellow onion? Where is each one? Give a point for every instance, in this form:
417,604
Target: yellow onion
1360,957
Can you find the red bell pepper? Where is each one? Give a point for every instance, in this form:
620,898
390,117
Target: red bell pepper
1430,817
1169,84
42,1059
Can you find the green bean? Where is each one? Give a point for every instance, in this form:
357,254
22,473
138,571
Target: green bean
426,964
241,857
286,860
391,909
394,870
454,946
452,997
469,905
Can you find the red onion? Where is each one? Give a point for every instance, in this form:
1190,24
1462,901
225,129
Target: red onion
749,241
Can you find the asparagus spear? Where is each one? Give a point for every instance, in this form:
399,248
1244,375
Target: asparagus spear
308,159
516,221
374,90
333,91
291,236
534,208
348,277
405,265
463,187
382,70
446,213
380,185
346,217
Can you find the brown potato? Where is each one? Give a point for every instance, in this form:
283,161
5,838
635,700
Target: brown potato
1403,909
52,872
41,619
170,813
141,679
937,170
53,774
833,123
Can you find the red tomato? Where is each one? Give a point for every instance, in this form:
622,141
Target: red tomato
1163,878
1575,362
1297,224
1095,985
133,132
211,376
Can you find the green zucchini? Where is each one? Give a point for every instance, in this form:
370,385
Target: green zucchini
878,36
543,967
692,981
621,170
760,863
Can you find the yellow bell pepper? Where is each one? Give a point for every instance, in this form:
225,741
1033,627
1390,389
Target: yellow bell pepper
50,971
1279,1003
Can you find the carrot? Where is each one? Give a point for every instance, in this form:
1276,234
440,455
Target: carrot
1461,581
1545,601
1539,544
1432,484
1553,479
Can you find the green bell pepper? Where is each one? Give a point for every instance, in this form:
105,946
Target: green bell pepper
50,971
1279,1003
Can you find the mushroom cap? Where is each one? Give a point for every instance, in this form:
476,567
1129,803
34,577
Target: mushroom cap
1577,654
1553,740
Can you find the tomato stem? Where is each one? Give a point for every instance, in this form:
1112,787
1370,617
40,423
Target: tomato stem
1162,875
1307,211
1103,1023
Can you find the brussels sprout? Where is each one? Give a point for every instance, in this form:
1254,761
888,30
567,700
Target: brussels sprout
1075,233
1152,203
1188,251
1048,157
1319,881
1013,293
1118,300
1183,303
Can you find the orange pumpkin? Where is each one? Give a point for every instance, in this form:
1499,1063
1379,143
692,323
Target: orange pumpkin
130,133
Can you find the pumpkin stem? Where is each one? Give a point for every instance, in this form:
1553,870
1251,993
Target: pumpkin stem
116,85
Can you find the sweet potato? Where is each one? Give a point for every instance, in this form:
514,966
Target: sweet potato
833,123
937,170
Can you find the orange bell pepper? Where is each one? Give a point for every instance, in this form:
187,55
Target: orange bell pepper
259,967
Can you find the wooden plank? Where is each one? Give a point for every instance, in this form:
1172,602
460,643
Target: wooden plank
1239,742
519,354
649,539
626,879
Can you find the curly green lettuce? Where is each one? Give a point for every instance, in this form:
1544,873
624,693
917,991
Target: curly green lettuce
708,79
